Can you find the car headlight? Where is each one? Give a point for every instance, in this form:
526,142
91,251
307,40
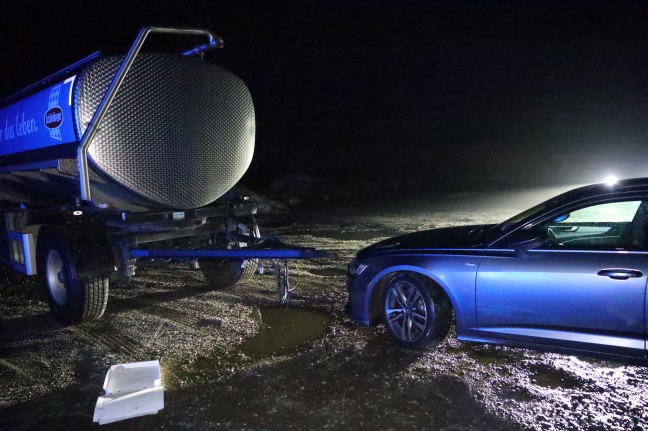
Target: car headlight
356,268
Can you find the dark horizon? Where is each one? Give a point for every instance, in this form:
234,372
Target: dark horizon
418,96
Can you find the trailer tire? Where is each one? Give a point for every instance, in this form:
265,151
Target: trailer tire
226,273
222,274
74,273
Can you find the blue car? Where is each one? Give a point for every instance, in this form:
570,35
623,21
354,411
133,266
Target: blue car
567,275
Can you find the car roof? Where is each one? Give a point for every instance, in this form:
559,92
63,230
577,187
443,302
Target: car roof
581,195
628,186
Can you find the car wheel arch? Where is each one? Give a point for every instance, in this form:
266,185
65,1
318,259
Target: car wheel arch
377,286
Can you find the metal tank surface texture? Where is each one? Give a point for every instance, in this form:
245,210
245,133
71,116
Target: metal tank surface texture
179,133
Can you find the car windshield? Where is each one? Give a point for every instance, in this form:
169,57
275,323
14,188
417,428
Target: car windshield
518,219
488,233
493,232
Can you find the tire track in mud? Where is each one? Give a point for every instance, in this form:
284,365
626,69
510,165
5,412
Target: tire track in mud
184,320
115,342
14,370
253,295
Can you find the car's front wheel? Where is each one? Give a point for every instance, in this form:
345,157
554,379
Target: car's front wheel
417,314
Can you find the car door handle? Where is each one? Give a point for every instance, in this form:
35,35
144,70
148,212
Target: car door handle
620,274
567,228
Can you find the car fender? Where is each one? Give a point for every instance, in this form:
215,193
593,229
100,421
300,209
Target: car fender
459,311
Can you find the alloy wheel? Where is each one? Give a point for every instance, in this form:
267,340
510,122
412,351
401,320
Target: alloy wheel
405,310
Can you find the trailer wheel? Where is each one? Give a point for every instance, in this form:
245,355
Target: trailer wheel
227,273
75,276
222,274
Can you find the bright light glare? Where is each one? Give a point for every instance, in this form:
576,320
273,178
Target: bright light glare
610,180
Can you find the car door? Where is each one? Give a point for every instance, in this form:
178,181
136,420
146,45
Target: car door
582,284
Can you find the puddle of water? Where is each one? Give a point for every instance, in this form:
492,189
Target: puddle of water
488,355
285,331
549,377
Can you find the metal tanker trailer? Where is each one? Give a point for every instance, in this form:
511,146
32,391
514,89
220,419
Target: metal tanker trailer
114,159
178,134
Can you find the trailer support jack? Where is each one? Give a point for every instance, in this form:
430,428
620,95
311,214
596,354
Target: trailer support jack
283,281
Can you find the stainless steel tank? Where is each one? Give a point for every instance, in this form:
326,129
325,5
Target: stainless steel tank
179,133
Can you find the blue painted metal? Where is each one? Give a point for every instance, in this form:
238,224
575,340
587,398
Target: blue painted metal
45,164
546,290
215,42
231,254
42,120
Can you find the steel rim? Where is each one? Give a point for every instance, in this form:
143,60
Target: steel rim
55,275
406,311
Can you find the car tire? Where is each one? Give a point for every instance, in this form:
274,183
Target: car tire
75,277
417,313
227,273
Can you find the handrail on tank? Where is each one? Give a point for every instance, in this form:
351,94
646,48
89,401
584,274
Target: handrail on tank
91,131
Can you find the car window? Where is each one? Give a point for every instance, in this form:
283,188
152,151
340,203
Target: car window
598,227
609,226
616,212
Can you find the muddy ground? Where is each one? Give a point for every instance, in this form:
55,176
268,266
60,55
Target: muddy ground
232,360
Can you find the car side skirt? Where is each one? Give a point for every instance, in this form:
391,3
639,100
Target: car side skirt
474,336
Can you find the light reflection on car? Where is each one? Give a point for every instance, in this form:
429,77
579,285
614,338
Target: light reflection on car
567,275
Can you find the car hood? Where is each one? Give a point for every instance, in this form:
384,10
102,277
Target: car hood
444,238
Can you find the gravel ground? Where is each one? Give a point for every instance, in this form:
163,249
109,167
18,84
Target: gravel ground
231,360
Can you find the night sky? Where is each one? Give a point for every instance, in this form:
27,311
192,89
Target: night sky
385,95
